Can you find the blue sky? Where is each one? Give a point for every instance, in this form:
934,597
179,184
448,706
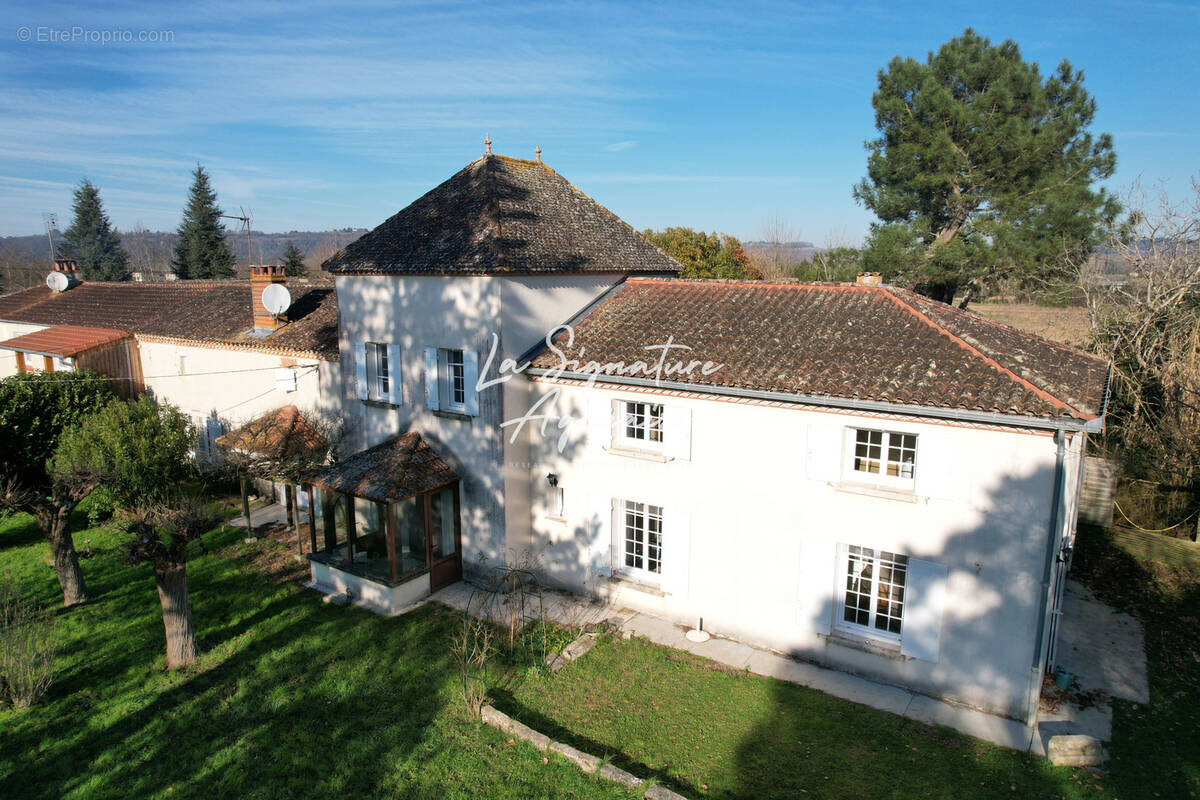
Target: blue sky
721,117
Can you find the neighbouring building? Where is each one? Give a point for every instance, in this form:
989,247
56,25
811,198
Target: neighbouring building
853,474
209,347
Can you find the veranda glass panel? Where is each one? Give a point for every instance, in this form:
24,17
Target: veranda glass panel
331,517
409,522
441,519
370,553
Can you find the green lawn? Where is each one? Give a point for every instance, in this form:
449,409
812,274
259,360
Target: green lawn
710,732
292,698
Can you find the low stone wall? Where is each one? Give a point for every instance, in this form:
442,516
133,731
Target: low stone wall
585,761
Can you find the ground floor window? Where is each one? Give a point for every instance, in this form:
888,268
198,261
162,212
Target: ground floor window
641,541
873,595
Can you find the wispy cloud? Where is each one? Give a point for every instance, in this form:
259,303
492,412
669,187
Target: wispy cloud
620,147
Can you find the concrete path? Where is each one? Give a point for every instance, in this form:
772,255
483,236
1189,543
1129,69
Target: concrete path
1104,650
560,607
260,515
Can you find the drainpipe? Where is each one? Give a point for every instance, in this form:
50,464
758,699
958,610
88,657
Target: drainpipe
1039,653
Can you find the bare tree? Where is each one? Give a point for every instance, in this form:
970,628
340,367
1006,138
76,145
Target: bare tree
775,260
1149,326
149,253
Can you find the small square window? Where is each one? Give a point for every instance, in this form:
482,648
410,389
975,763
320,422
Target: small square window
640,424
887,457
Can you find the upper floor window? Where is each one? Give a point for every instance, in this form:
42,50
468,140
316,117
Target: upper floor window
884,456
640,423
451,378
454,383
379,372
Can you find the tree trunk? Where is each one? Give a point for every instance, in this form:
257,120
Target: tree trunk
171,580
56,523
246,505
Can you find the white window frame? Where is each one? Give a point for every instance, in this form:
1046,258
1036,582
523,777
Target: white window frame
888,440
627,416
380,372
451,369
648,513
884,566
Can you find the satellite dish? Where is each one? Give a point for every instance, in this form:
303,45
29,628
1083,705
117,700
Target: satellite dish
276,299
58,281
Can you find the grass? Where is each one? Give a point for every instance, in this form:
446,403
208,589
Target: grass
291,697
707,731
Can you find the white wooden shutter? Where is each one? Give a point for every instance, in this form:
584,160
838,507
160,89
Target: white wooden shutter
395,375
924,601
816,575
677,432
824,451
360,368
937,471
600,422
599,528
431,378
676,552
471,381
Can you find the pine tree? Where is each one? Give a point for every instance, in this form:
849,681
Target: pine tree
293,262
91,240
983,170
202,251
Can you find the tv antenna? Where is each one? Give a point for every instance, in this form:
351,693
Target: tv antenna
51,221
244,218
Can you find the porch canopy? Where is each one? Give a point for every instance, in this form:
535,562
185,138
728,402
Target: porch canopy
388,513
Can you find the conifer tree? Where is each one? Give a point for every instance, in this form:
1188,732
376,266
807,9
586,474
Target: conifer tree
202,251
91,240
983,170
293,262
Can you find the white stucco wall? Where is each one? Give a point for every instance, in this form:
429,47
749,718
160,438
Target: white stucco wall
234,385
469,313
761,561
8,330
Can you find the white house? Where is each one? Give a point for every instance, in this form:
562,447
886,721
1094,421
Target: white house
852,474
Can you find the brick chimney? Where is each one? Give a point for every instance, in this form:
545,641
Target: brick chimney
261,278
869,279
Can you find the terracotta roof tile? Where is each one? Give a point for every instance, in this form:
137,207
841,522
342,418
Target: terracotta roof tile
839,341
502,215
393,470
216,312
279,434
64,341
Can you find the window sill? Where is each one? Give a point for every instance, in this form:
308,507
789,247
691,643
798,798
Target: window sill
555,518
636,585
451,415
633,452
379,403
866,644
885,492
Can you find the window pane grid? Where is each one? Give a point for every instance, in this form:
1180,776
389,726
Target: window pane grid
642,536
885,453
874,592
644,422
458,377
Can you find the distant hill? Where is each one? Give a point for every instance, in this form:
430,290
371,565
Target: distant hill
794,251
25,260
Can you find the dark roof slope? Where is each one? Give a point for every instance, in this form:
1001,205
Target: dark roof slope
393,470
213,312
502,215
838,341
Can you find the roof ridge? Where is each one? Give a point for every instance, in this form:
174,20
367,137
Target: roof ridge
963,343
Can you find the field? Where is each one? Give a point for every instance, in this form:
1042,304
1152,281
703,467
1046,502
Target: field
1066,325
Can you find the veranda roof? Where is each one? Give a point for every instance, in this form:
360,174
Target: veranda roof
394,470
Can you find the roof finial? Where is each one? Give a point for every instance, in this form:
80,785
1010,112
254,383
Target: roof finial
538,152
487,144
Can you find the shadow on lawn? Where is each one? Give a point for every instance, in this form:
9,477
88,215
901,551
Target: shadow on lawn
282,703
1154,750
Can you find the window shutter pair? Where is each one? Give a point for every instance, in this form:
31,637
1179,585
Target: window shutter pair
604,417
603,526
395,374
433,378
819,598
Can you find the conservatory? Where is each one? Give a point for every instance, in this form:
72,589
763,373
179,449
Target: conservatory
385,525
